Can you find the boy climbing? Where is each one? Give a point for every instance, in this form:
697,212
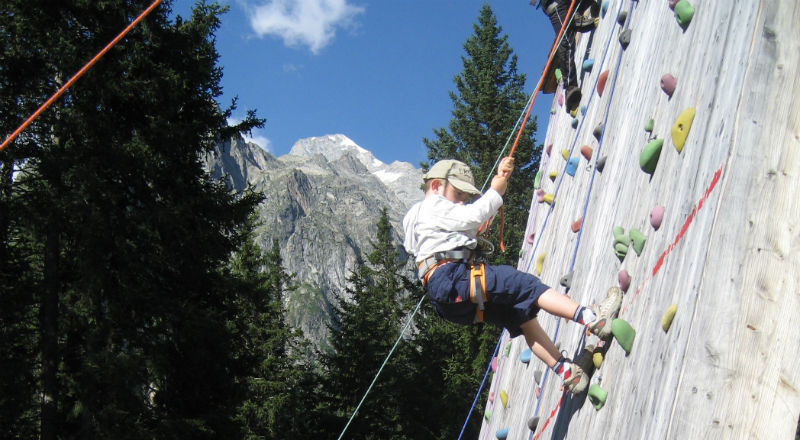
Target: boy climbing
440,231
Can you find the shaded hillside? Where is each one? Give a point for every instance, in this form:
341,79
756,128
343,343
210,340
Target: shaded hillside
726,253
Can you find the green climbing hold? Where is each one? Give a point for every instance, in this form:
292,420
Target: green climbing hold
666,321
619,234
558,75
508,348
597,396
637,239
648,126
650,154
537,180
683,13
621,249
681,127
487,415
624,333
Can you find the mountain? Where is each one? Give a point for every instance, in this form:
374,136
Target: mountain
322,202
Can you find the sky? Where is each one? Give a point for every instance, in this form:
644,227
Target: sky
379,72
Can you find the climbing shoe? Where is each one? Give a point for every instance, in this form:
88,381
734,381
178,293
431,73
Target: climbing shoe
606,311
582,23
573,98
577,381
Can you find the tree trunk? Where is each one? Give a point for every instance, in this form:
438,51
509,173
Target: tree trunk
48,325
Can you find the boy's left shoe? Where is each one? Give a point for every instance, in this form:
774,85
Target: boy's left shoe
578,379
606,312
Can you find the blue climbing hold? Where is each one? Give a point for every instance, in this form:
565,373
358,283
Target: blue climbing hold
604,9
588,64
525,356
572,165
501,434
574,122
583,109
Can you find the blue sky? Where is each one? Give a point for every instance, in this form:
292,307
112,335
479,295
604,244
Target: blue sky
376,71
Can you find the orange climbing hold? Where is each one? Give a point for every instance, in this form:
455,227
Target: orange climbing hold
586,152
601,82
577,225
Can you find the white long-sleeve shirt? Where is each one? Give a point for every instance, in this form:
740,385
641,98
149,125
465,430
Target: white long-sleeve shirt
436,224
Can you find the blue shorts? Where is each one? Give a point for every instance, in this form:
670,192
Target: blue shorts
511,295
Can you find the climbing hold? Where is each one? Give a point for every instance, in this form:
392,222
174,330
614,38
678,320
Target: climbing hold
597,396
530,238
586,152
565,154
566,280
553,175
540,195
572,165
650,154
666,321
604,9
504,397
501,434
538,179
625,38
588,64
539,263
619,235
560,99
683,13
583,109
549,198
598,131
537,376
648,126
656,215
623,15
491,397
681,127
573,112
621,250
638,239
576,226
525,356
552,111
487,415
574,122
548,149
601,82
597,359
533,423
558,75
494,364
601,163
508,348
624,280
672,3
668,83
624,333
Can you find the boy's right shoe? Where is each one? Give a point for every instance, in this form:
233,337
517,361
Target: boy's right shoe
606,312
578,379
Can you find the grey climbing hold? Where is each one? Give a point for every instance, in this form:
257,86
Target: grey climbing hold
566,280
623,15
625,38
537,376
601,163
598,131
533,423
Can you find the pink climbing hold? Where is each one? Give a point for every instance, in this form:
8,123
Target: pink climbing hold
577,225
656,215
586,152
560,99
540,195
668,83
672,3
601,82
624,280
549,149
491,397
494,364
529,238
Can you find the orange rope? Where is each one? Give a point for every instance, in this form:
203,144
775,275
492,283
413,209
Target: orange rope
80,73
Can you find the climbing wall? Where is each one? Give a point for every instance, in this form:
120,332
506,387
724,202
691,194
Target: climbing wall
725,256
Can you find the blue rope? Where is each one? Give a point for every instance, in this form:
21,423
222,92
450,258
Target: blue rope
483,382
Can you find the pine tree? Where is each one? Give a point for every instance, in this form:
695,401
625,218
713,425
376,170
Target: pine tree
119,235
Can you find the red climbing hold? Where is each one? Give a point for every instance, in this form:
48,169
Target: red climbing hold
586,152
577,225
601,82
668,83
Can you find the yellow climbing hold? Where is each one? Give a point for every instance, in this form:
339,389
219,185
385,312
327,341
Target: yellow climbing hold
539,264
680,129
666,321
553,174
565,154
504,398
548,198
597,359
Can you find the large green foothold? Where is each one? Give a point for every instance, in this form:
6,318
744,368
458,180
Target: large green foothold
624,333
681,127
619,234
537,180
683,13
597,396
637,239
621,250
650,154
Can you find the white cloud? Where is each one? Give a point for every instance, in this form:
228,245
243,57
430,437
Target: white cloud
311,23
255,135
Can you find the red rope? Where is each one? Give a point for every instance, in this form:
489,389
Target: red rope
75,77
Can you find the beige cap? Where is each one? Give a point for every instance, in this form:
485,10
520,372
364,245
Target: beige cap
455,172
